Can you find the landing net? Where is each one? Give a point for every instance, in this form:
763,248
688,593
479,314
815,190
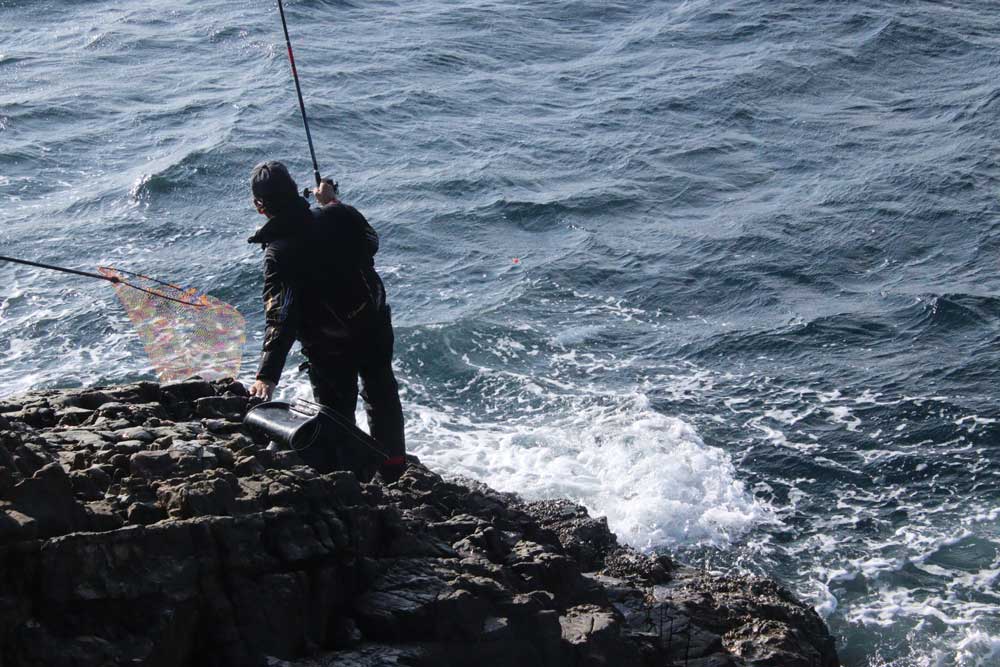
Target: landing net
185,333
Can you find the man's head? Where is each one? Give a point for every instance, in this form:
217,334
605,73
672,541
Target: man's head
274,189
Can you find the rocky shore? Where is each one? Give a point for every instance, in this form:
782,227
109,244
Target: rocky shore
145,525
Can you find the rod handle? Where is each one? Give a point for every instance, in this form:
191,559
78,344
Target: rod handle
308,192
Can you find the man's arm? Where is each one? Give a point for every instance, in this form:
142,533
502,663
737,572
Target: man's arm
281,311
369,233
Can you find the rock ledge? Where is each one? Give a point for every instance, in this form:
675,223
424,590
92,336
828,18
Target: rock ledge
144,525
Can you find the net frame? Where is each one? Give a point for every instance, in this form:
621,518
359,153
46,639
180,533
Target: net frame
185,333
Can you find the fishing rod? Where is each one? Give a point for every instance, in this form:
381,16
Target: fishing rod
85,274
111,276
302,104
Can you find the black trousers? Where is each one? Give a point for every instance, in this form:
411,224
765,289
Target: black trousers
334,382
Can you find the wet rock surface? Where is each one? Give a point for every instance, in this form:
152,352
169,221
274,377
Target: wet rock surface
144,525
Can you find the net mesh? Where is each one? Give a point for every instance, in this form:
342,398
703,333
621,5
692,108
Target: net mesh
185,333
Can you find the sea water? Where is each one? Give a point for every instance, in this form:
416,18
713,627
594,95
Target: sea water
724,272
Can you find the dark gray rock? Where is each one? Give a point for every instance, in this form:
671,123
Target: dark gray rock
595,637
47,497
221,406
186,391
6,458
230,387
84,486
103,517
16,527
143,514
7,480
246,466
222,427
140,392
584,538
87,400
81,438
207,494
758,620
138,433
177,542
152,464
73,416
37,417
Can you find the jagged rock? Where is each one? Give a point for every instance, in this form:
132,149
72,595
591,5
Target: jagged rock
128,447
84,486
140,392
151,465
136,433
223,457
16,527
373,655
209,494
28,458
186,542
143,514
98,476
103,517
413,601
627,563
112,410
186,391
6,459
6,479
123,415
87,400
595,637
73,416
246,466
221,426
37,417
230,386
47,497
584,538
221,406
759,620
82,438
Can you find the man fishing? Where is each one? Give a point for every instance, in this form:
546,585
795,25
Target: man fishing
321,288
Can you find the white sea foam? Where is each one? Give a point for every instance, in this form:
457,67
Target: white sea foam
978,649
650,474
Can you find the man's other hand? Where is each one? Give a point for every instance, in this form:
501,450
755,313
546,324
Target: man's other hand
325,192
262,389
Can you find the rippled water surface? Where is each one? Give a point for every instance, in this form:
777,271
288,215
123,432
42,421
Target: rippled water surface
722,271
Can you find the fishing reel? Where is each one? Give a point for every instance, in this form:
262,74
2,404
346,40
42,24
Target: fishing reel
308,192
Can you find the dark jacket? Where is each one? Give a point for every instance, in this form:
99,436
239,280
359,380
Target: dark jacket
320,284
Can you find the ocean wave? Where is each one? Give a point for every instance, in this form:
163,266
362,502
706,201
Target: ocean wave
609,459
898,38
